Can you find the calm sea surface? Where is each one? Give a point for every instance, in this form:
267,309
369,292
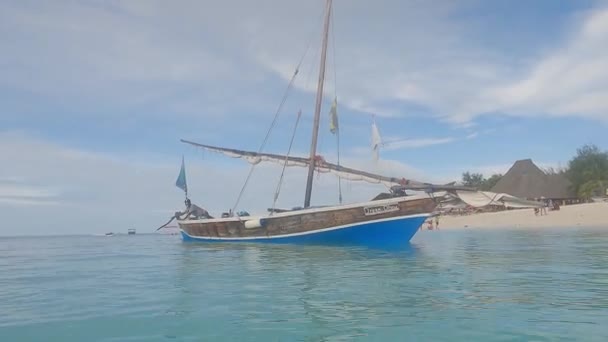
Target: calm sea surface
495,285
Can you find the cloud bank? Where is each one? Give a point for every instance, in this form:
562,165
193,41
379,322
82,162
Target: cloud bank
402,58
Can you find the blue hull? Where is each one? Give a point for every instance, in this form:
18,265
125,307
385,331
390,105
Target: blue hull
383,232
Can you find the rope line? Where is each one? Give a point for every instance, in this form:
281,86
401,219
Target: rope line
333,45
272,125
278,190
274,121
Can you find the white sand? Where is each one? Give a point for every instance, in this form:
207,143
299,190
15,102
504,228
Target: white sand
580,215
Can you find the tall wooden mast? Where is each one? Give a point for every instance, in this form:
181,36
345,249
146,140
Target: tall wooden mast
315,128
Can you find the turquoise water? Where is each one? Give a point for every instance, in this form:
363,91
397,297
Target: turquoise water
495,285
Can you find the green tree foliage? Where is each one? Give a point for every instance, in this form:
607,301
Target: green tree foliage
473,180
592,188
489,183
555,171
588,171
477,180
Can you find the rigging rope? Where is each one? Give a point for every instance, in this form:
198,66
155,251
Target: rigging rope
333,45
339,178
273,123
278,190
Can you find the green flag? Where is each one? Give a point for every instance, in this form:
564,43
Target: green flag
333,117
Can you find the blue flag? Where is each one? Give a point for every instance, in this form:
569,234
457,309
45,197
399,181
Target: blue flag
181,179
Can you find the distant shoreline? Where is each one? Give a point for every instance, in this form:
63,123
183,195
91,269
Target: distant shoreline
591,215
588,215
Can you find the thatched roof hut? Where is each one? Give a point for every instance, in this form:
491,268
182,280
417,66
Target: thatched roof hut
526,180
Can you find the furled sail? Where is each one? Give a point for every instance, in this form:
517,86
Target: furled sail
484,198
376,141
325,167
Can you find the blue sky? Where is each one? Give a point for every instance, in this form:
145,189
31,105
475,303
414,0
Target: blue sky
95,95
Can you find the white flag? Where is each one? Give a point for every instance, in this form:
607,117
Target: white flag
376,141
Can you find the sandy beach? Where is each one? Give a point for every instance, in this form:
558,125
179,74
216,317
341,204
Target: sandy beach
580,215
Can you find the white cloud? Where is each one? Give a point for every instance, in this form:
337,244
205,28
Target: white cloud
463,81
416,143
386,60
395,144
15,190
571,81
21,201
125,56
206,54
390,168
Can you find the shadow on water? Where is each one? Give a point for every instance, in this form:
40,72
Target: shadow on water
307,250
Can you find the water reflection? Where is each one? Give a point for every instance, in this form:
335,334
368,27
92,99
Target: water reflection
538,284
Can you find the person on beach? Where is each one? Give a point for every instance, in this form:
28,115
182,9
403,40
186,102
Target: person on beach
543,209
437,222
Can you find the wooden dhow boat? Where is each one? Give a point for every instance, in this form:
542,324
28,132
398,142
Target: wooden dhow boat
388,218
383,221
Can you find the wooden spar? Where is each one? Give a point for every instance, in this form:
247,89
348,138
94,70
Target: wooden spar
301,161
315,128
231,151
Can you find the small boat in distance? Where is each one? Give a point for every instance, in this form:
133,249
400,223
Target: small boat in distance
388,218
131,231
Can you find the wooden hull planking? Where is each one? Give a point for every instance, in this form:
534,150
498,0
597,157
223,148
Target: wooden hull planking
405,211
